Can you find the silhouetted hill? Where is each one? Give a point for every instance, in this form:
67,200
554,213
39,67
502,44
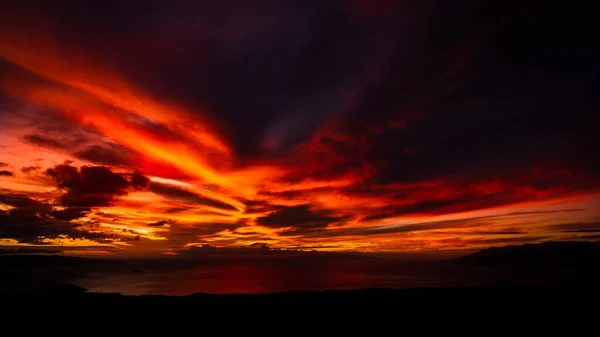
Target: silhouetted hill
521,300
30,260
571,253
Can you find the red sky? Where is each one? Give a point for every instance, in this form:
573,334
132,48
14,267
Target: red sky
341,127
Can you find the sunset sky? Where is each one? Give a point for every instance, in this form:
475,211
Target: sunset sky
147,127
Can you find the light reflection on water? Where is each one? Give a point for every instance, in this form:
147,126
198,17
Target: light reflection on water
281,276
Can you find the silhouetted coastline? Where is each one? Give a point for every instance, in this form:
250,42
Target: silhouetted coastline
565,253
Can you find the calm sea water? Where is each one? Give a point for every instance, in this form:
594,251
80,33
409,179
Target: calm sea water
282,276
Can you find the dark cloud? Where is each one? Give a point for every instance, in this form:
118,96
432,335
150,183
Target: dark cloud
299,219
6,173
424,120
81,145
105,156
177,209
45,141
547,212
256,206
291,195
31,221
594,237
70,213
29,169
259,245
311,247
204,230
3,164
474,222
576,227
181,194
459,198
138,180
442,140
505,231
507,240
24,202
82,189
456,204
158,223
508,232
53,130
93,186
249,233
426,206
161,223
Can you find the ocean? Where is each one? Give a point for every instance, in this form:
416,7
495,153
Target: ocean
279,275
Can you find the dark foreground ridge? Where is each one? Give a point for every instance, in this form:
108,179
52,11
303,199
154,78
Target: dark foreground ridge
515,300
567,253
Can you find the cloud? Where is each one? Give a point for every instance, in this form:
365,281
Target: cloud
576,227
480,222
84,145
508,240
32,221
441,197
425,206
29,169
507,232
3,164
311,247
259,245
6,173
187,196
23,202
105,156
138,180
45,141
161,223
52,130
299,219
93,186
594,237
82,189
177,209
205,229
70,213
158,223
256,206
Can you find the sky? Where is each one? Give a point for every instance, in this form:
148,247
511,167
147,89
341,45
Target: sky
149,127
